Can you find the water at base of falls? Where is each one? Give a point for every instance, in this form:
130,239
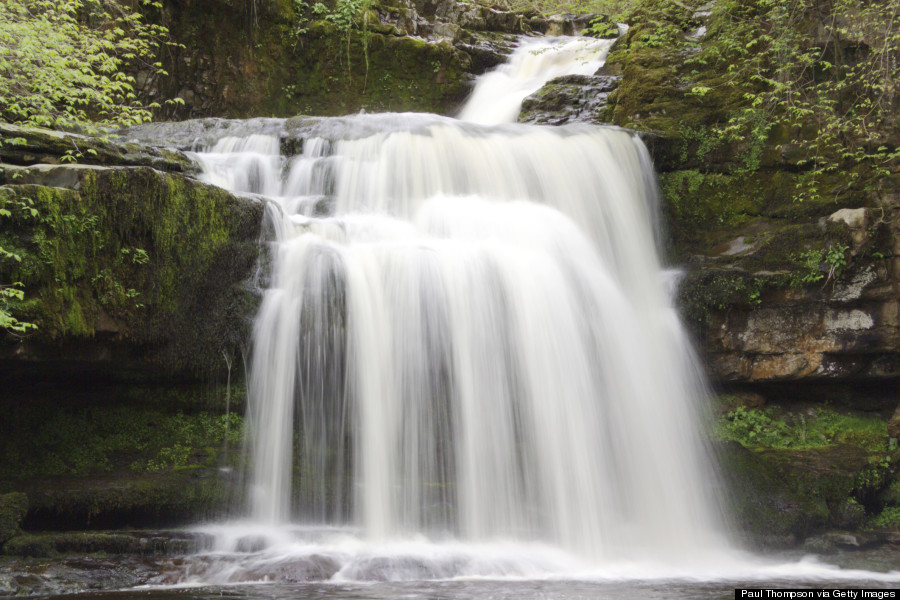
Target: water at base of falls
466,362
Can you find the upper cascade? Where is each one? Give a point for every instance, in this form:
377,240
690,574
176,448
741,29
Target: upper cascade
498,94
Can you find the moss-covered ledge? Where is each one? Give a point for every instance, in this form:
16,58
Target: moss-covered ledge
31,145
127,266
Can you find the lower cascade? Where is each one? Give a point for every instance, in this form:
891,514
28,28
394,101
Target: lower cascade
466,337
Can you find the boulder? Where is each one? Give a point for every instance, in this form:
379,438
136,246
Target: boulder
128,266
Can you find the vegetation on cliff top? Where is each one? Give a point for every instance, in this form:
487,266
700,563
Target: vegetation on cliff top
64,63
814,83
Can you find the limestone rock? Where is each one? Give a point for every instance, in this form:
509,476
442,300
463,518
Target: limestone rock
857,219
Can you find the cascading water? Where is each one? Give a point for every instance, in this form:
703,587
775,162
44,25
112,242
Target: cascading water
466,365
466,333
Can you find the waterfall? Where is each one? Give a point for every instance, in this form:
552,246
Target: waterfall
466,334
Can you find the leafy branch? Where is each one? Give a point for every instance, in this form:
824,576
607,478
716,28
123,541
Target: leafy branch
66,63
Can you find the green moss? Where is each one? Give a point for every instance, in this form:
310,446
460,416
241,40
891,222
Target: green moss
764,503
813,428
655,92
704,209
146,500
704,292
120,455
696,202
124,430
54,544
12,512
150,257
889,518
834,463
891,495
385,73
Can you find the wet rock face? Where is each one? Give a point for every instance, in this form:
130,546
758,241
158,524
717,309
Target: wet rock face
819,307
411,56
569,99
777,288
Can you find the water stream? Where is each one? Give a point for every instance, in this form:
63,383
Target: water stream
467,363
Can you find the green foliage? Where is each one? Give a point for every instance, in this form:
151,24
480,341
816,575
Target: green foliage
832,88
66,63
816,428
618,10
815,265
66,241
702,293
80,441
13,508
347,16
601,28
889,518
875,475
13,292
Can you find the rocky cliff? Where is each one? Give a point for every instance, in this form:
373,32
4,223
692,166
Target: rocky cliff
282,58
790,282
135,295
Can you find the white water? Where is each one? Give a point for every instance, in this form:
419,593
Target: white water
499,93
466,359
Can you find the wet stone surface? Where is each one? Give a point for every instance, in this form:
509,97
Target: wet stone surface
569,99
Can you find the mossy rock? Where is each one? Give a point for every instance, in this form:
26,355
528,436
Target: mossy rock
51,432
655,92
31,145
273,59
568,99
339,74
697,203
137,265
47,545
13,507
703,292
781,497
123,500
109,454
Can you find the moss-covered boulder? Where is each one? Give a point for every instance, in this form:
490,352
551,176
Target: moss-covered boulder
377,72
798,470
131,266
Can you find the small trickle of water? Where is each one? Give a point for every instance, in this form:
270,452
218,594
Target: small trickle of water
467,336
